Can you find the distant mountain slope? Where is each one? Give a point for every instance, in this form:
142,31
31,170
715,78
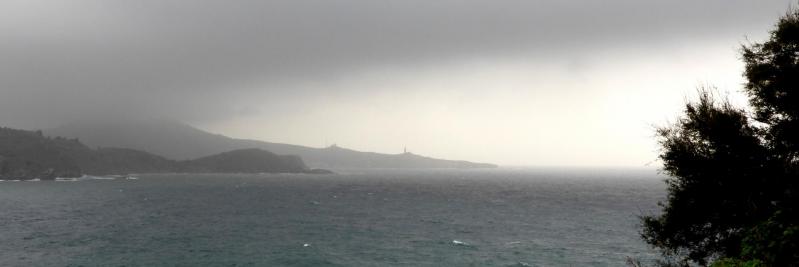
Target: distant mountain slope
28,155
251,160
177,140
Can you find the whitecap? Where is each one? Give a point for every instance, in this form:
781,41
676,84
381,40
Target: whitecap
88,177
459,243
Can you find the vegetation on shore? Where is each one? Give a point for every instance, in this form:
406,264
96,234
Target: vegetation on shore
31,155
734,174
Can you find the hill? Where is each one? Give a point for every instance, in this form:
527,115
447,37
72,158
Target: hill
29,154
251,160
177,140
26,154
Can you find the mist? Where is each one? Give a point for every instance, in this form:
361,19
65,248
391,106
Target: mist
509,82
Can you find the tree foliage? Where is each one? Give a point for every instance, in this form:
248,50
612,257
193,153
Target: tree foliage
733,175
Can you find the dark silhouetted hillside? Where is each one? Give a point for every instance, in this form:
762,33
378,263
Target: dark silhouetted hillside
246,160
28,155
177,140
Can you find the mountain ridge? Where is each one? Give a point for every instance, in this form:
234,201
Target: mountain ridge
30,154
180,141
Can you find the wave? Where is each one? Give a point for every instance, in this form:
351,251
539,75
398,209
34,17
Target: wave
459,243
93,177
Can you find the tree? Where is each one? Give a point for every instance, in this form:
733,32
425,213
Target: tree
733,175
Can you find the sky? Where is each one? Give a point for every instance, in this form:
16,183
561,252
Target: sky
533,83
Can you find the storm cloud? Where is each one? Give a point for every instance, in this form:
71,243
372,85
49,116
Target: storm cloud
215,61
61,59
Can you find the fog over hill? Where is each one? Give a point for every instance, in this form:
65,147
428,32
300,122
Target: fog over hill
30,155
176,140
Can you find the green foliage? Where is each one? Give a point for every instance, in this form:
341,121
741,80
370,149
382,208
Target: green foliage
734,177
775,241
771,71
730,262
716,161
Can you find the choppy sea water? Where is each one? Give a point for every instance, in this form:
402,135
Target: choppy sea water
501,217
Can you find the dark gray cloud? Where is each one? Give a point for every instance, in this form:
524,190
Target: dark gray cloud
192,60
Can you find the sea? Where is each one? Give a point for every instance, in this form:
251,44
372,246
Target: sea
484,217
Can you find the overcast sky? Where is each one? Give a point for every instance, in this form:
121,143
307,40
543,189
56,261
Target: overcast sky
544,82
